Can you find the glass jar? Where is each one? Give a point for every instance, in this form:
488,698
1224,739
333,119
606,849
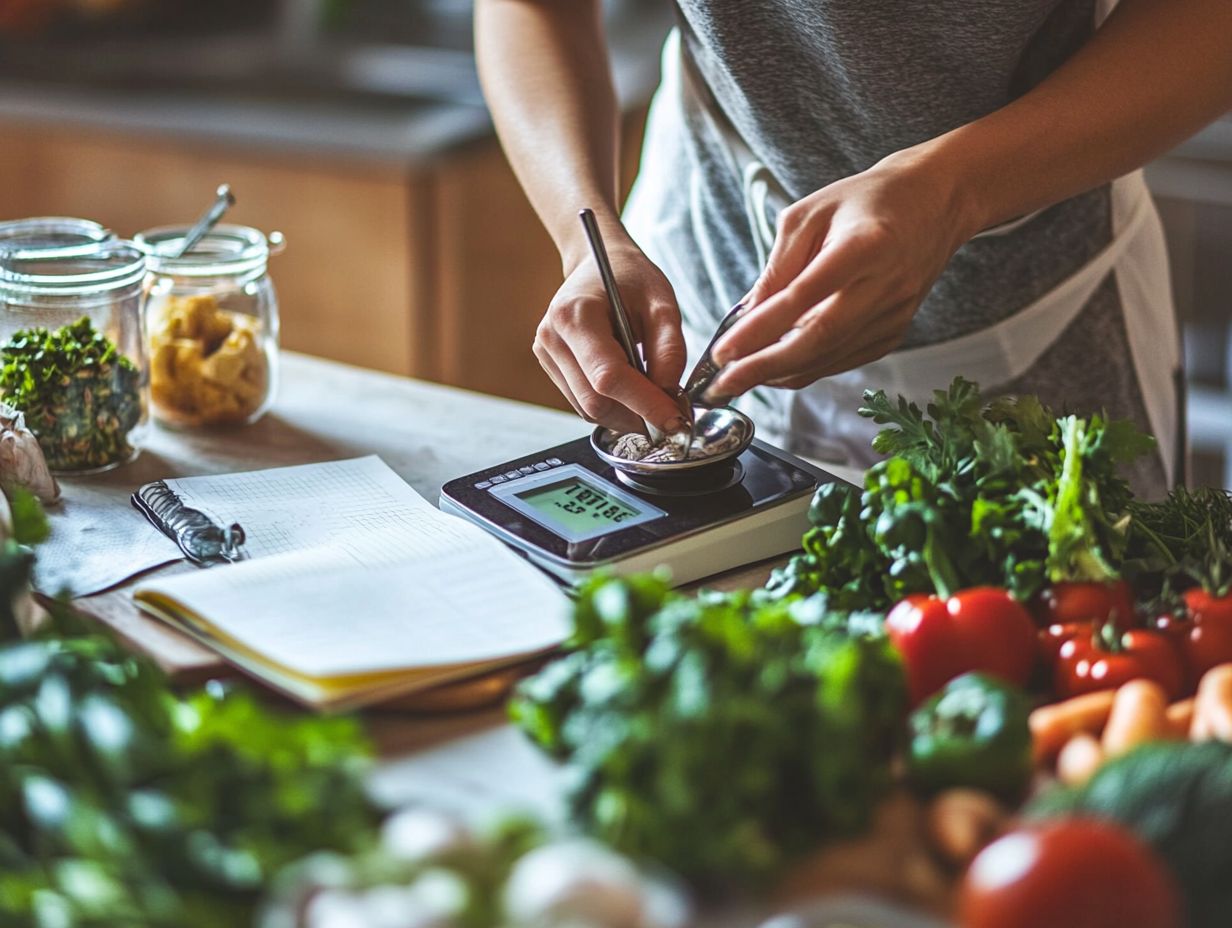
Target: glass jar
72,351
52,233
211,319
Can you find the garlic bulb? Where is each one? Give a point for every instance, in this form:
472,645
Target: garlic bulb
21,459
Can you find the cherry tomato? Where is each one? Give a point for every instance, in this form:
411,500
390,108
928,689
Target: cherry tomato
1087,664
1055,635
1069,873
1176,625
1203,607
1207,644
1202,630
983,628
1072,601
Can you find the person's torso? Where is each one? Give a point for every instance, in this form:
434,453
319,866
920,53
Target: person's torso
822,89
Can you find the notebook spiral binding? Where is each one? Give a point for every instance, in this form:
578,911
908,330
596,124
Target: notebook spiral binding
202,540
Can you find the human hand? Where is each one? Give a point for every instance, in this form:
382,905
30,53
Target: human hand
575,345
850,265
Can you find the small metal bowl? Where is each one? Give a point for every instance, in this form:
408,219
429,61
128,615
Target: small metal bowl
725,422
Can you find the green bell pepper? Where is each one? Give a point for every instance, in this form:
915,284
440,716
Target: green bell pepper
973,733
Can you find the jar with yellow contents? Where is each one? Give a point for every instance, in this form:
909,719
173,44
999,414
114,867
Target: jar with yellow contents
211,319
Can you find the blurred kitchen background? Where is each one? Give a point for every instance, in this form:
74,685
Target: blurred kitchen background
356,127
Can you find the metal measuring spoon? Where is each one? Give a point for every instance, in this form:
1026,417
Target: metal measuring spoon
712,428
706,370
223,200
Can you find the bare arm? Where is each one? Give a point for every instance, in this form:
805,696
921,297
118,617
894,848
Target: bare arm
547,80
854,260
1152,75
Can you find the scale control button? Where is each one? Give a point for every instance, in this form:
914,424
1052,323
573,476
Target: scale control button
555,462
512,474
526,469
542,466
499,478
483,484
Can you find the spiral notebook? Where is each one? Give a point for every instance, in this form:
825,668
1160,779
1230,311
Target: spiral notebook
350,587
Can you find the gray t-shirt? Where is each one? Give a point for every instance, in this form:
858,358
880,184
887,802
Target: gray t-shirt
822,89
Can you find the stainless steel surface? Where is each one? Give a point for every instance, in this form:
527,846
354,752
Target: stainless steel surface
223,200
705,370
726,431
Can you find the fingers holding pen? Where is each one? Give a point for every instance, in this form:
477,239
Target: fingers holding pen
663,340
576,348
603,364
575,388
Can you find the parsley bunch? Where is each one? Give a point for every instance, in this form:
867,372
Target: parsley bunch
80,395
972,493
718,735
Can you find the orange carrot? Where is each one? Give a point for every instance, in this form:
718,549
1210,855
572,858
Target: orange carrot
1213,705
1139,714
1180,717
1079,759
1052,726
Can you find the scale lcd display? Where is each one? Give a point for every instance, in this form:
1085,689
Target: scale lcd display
575,507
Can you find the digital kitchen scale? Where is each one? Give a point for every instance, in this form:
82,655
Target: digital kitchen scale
572,514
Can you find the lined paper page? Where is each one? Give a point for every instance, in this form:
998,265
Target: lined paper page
360,506
352,572
321,614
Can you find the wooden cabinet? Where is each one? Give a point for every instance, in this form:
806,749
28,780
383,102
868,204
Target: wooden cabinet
438,270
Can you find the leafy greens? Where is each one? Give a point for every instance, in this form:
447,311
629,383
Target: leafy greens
123,804
973,493
718,735
1184,540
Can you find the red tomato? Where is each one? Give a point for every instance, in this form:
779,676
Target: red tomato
1205,637
1085,665
1203,607
1086,602
1070,873
1177,626
983,628
1055,635
1207,644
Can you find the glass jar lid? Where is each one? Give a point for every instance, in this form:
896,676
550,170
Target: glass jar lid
52,234
101,269
226,250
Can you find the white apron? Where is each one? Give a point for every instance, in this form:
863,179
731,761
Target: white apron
820,420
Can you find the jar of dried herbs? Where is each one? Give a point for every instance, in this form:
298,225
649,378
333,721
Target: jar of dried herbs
72,351
211,319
